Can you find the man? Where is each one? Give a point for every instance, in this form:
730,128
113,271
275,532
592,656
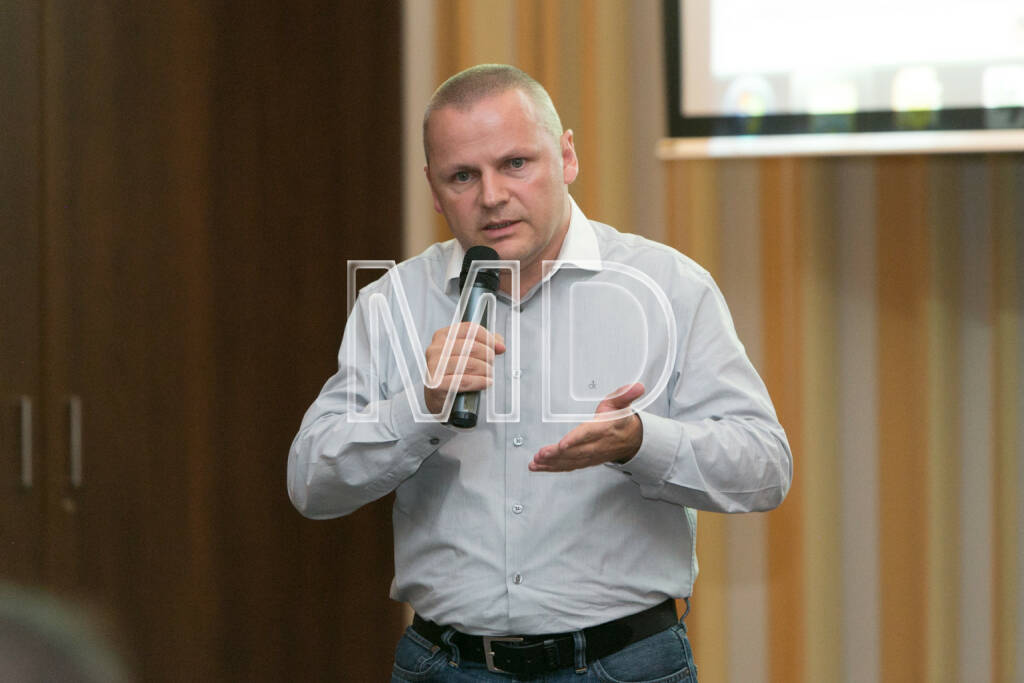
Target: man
534,546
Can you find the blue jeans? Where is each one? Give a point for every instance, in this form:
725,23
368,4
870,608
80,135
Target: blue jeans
665,657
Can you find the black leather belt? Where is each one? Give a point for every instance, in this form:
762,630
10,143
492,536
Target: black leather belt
528,655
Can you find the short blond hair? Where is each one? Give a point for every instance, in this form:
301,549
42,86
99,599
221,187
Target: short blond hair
476,83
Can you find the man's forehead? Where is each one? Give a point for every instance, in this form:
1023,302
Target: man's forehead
505,103
503,124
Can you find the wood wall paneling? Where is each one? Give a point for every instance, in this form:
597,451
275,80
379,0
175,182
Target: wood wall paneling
890,307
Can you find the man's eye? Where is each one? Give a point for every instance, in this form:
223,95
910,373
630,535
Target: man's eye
517,163
461,176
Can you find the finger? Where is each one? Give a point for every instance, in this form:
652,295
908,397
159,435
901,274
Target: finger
475,330
474,366
471,349
479,337
544,463
557,456
559,461
482,335
463,331
621,398
475,351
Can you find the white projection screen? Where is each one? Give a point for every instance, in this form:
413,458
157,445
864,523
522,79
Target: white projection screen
750,67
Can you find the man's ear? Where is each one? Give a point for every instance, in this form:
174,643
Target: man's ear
437,204
570,163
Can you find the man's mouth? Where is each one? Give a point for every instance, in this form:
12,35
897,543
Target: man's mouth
498,226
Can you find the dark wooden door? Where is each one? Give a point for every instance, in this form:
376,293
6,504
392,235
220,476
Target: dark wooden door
207,171
305,176
124,328
22,484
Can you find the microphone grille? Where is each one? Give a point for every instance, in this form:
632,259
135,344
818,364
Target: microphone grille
479,253
488,278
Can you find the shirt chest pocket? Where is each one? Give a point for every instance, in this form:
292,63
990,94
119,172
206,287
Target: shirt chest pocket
598,345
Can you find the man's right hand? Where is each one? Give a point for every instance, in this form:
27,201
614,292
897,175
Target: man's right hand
479,368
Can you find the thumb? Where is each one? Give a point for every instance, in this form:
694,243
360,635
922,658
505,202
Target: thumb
621,398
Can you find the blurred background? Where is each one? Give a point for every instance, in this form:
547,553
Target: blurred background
181,186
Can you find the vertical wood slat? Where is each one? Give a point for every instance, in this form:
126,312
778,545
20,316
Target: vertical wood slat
943,425
903,282
857,380
610,200
1008,218
739,262
450,56
782,310
819,473
586,187
694,230
187,43
451,39
976,461
539,45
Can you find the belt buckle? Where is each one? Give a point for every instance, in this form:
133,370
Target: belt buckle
489,653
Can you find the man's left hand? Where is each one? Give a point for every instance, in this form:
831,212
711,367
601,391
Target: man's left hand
598,441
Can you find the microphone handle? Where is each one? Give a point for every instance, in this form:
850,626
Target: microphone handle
467,403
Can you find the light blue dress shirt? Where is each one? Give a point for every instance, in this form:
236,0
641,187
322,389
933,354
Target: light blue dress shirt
482,543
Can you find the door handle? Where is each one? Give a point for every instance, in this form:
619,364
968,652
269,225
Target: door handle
26,441
75,441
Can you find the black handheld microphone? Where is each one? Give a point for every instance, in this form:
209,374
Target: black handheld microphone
467,403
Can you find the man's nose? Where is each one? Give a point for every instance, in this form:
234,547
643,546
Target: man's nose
492,188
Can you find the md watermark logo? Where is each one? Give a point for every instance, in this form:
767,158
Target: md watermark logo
385,335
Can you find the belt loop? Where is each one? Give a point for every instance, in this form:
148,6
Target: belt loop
687,611
580,645
455,659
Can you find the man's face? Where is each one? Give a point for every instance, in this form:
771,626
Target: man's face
500,178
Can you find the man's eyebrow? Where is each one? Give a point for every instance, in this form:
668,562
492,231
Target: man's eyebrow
517,152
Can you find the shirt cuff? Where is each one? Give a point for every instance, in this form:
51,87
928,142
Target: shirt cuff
418,439
652,464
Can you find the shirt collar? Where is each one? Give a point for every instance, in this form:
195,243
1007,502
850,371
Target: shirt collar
580,248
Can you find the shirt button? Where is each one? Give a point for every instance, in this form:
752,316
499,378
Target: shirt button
517,579
434,441
516,373
518,441
517,508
